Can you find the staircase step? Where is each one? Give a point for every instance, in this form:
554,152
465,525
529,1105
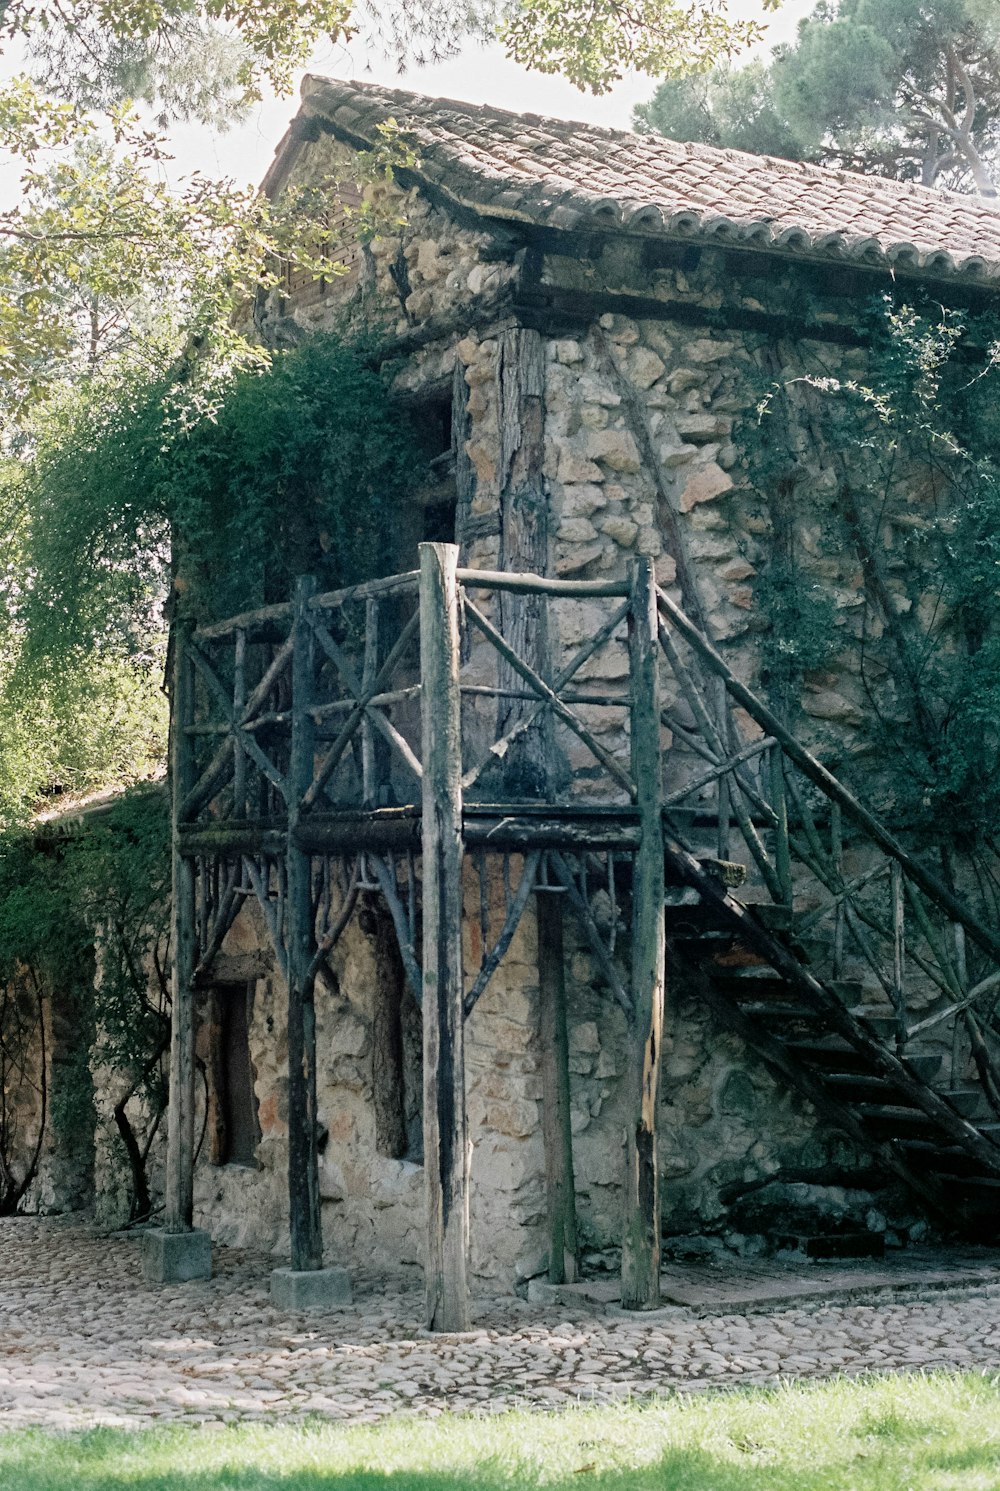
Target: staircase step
979,1194
943,1159
782,1010
970,1102
828,1051
880,1022
691,922
861,1085
894,1118
836,1055
926,1067
772,915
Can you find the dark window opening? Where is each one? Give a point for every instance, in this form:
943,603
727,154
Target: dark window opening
233,1127
438,495
397,1044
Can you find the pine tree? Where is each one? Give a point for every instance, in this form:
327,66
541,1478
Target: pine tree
903,88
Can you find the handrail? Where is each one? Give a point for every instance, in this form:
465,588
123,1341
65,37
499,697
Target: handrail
826,781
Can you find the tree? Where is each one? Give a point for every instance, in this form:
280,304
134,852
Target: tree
903,88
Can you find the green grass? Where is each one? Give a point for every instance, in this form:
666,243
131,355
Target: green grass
936,1432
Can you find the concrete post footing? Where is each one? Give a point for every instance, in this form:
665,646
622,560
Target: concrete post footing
176,1257
315,1289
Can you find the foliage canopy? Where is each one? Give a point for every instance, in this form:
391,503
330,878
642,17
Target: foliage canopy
905,88
285,470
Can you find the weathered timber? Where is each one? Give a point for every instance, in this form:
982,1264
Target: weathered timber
590,647
559,709
828,783
557,1135
180,1125
641,1239
231,838
446,1162
723,769
714,740
337,928
332,758
239,705
333,600
403,922
368,784
839,1019
493,957
524,544
787,1069
635,419
527,584
779,802
246,621
387,1034
465,471
303,1129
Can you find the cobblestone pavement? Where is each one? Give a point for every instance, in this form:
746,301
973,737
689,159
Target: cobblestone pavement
84,1341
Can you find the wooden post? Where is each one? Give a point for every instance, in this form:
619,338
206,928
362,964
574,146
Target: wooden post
303,1159
446,1166
524,546
180,1119
556,1131
641,1241
837,856
898,955
779,802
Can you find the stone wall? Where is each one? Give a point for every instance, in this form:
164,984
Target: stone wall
647,420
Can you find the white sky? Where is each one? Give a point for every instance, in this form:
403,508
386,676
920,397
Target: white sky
477,75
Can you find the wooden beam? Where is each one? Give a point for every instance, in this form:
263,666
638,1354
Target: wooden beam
523,616
446,1165
180,1118
557,1134
641,1240
303,1159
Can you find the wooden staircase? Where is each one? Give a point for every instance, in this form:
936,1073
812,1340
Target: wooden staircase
864,981
839,1051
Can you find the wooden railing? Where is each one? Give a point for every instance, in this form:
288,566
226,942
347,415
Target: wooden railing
813,846
320,747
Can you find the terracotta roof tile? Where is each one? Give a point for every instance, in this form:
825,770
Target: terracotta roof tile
557,173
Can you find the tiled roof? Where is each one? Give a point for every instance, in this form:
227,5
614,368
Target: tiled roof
560,174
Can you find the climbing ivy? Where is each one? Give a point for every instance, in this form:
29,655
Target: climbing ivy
83,946
885,465
144,493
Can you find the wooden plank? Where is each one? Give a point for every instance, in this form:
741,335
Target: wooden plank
641,1239
491,579
557,1134
180,1117
303,1158
446,1163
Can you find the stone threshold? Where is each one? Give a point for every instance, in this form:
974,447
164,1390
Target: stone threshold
752,1285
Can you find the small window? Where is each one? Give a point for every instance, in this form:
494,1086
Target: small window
234,1131
439,494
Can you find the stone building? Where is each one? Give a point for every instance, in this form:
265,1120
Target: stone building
626,346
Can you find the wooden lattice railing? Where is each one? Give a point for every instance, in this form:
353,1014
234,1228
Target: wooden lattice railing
812,846
368,739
